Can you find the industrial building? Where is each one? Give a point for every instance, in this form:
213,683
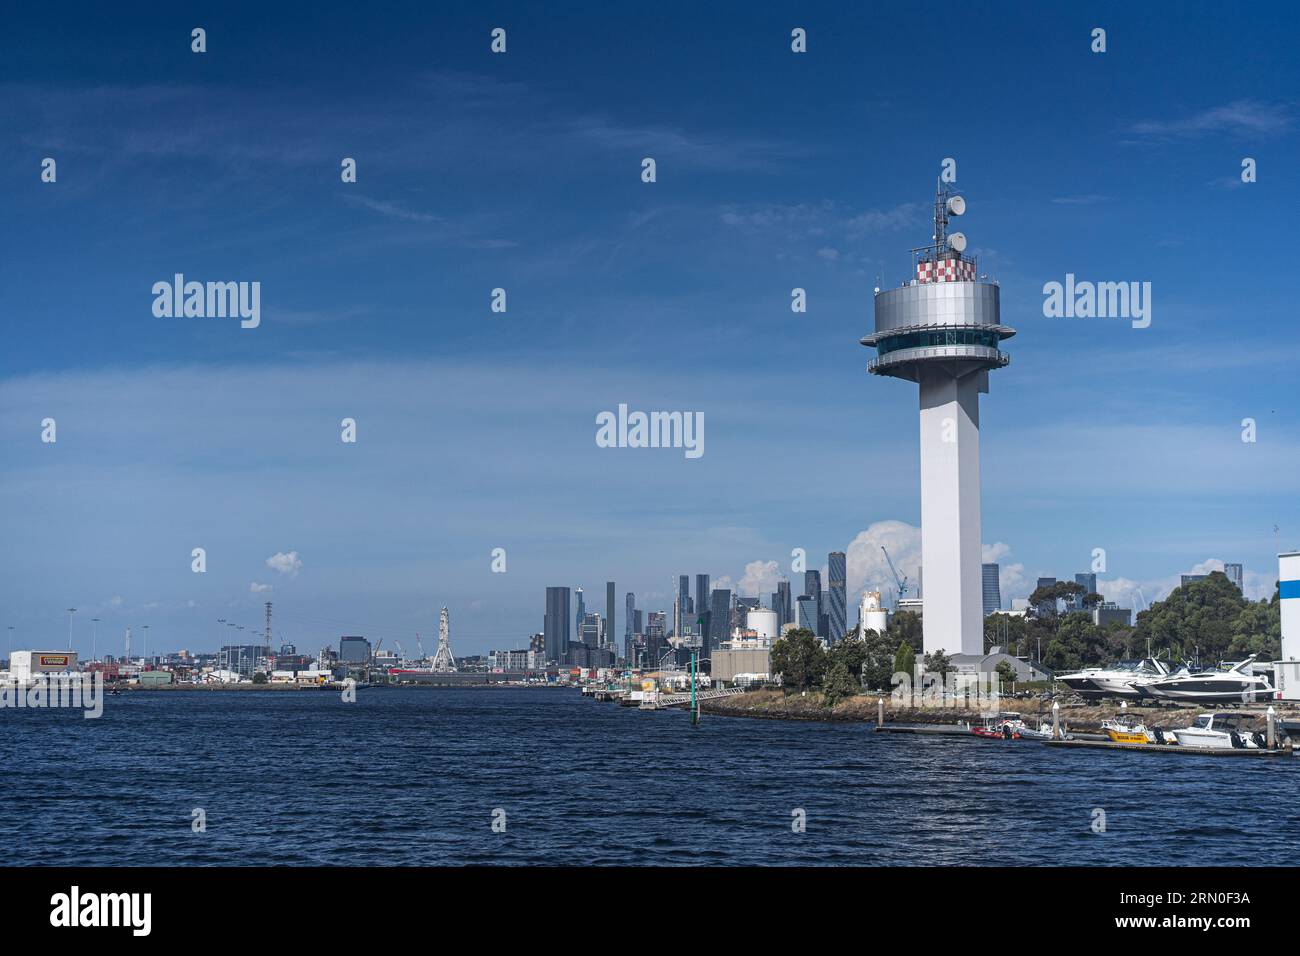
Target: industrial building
25,665
1286,671
941,330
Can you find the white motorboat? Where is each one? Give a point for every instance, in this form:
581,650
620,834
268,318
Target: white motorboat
1237,684
1125,680
1220,732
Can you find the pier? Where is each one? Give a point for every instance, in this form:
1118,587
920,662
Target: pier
1173,748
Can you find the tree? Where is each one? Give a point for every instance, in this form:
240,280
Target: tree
799,658
259,677
904,659
1204,615
939,663
906,626
852,652
878,659
838,683
1006,673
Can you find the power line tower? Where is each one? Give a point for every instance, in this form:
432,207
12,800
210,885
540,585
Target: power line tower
443,662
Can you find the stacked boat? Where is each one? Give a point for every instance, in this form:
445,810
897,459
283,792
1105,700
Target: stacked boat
1155,679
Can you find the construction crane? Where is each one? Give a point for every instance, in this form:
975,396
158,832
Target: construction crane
401,654
900,581
419,644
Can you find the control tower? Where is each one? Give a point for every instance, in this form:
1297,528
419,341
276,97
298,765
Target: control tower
941,330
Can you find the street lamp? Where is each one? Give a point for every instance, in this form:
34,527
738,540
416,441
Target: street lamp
94,639
71,611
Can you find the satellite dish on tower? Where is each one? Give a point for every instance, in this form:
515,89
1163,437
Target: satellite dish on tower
957,241
956,205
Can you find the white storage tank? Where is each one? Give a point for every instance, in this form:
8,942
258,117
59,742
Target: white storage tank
762,622
871,614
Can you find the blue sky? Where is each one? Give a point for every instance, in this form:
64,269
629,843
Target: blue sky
522,171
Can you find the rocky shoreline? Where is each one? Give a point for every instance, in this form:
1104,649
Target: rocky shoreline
777,705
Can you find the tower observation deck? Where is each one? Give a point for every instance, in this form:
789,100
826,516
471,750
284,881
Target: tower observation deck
941,330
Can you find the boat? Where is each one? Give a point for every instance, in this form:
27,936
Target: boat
1220,731
1236,684
1121,730
1005,726
1126,680
1043,732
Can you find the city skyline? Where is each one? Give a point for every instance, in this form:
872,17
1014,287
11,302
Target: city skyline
476,429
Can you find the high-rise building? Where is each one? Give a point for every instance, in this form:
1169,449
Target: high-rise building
629,624
990,574
701,603
806,612
353,650
784,604
582,612
1046,607
1088,581
837,567
555,626
590,631
812,587
656,641
682,606
611,627
1234,573
941,330
719,617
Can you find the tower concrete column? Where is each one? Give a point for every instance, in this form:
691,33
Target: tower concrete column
950,511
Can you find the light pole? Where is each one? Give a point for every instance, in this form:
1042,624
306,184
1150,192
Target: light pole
71,611
146,644
94,639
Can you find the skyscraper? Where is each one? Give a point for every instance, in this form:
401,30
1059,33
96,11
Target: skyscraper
555,628
590,631
784,606
629,624
582,612
611,628
806,609
683,604
992,588
1234,573
701,594
1088,581
1046,607
837,567
719,617
812,587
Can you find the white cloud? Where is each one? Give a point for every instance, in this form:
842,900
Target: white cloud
259,588
866,565
286,563
759,580
992,553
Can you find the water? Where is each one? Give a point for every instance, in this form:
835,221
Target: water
413,777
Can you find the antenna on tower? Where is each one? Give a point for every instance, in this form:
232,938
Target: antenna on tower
268,635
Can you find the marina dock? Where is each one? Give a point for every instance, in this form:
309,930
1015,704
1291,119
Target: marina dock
1172,748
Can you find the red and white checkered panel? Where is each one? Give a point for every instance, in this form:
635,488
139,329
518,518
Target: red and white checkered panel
945,270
